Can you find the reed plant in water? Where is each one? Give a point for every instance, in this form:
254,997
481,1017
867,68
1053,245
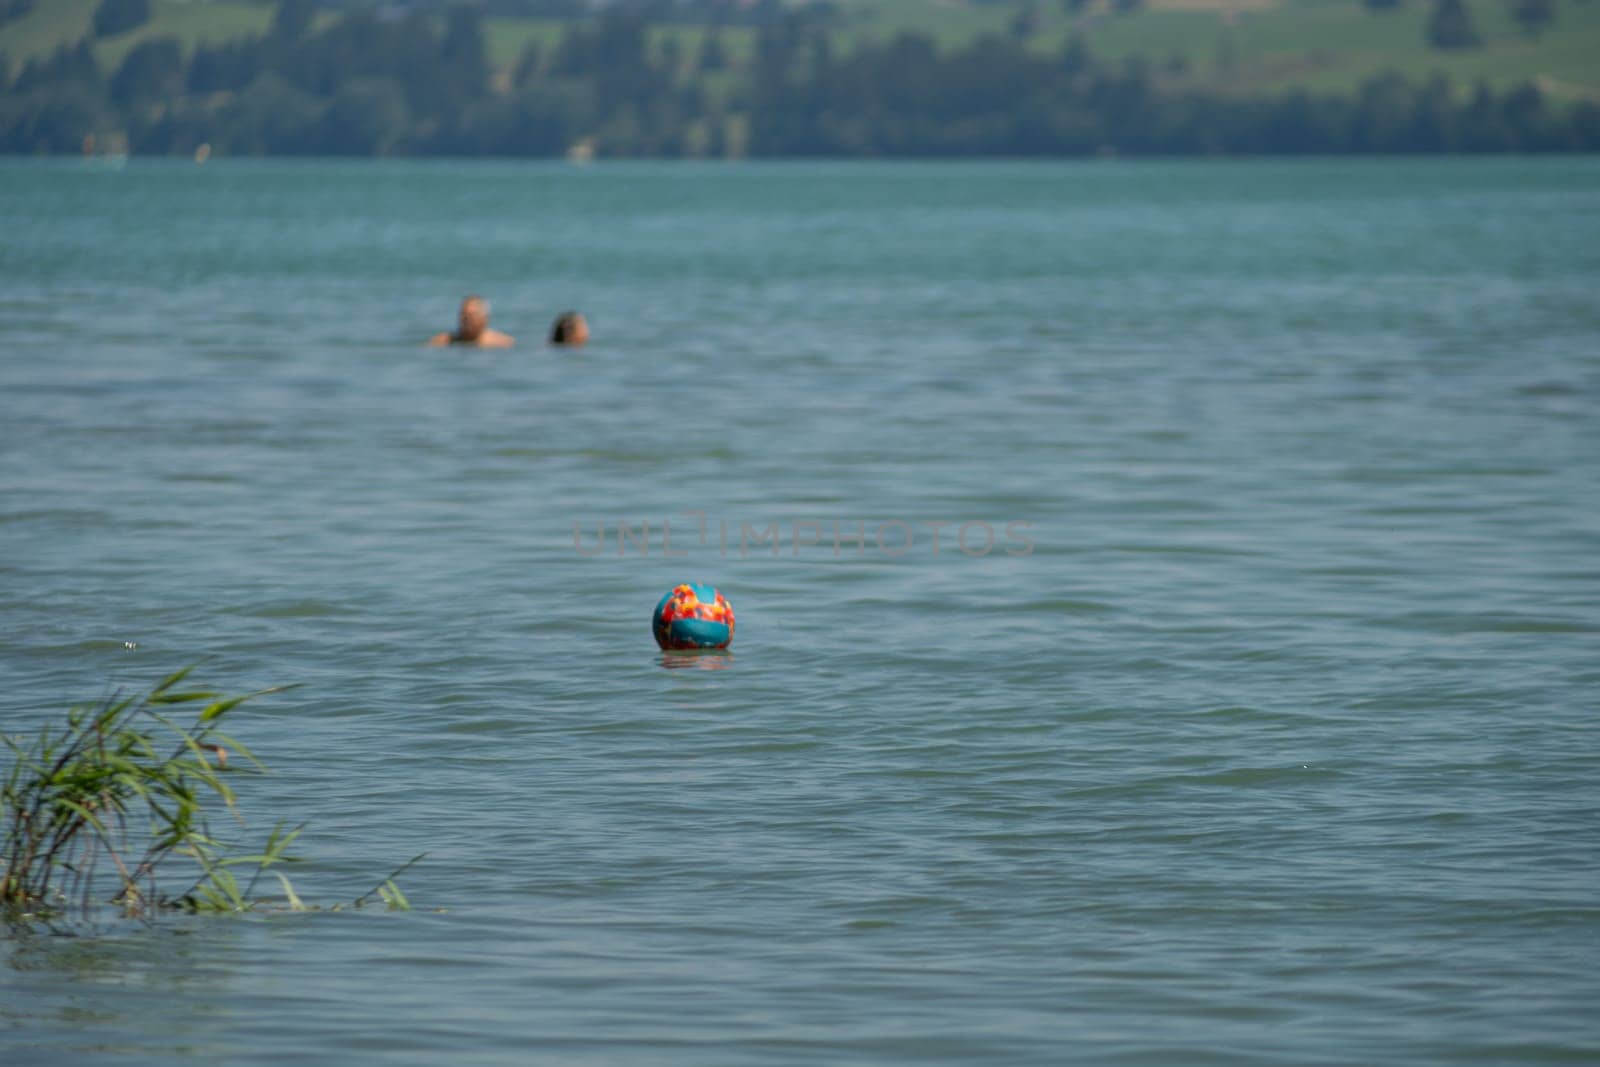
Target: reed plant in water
96,810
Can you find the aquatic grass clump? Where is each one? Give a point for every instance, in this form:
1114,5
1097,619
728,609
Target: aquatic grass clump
94,811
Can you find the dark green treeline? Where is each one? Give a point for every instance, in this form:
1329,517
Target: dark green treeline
363,84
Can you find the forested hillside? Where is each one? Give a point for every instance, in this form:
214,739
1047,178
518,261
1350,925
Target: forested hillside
707,78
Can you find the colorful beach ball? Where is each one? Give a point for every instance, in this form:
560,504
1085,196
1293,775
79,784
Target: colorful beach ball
693,616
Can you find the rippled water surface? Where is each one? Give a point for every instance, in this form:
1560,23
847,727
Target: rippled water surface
1262,731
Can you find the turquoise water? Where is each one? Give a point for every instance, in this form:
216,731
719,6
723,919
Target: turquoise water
1263,732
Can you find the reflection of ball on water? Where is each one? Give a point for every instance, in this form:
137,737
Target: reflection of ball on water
693,616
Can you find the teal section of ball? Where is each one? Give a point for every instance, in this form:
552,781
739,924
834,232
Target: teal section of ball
697,633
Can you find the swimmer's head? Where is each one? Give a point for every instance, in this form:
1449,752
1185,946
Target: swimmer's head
569,329
474,318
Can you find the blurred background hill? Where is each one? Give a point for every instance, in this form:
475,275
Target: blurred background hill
728,78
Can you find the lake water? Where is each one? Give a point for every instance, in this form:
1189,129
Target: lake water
1244,711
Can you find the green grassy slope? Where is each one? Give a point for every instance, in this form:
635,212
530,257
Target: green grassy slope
52,23
1253,45
1334,45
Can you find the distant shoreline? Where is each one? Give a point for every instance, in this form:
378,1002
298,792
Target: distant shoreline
804,85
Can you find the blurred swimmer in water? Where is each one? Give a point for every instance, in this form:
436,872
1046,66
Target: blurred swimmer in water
569,329
473,328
